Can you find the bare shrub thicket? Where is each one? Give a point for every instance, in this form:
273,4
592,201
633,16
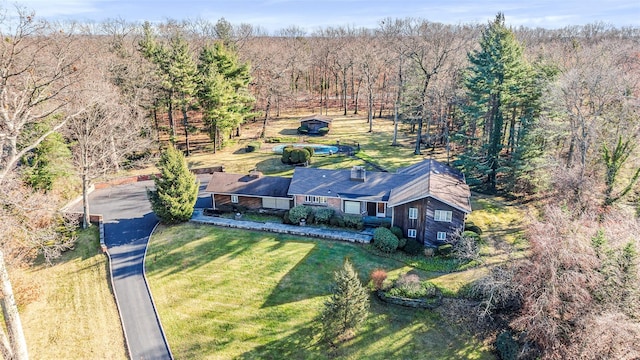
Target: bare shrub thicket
575,295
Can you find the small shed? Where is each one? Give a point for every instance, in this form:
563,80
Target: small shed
315,122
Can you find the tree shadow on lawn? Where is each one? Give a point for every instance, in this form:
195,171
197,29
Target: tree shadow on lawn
168,257
313,275
390,332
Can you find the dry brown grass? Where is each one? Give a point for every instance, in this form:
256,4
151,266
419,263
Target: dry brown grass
71,312
350,129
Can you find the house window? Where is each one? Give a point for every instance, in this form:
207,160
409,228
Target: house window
315,199
411,233
442,215
442,236
413,213
234,199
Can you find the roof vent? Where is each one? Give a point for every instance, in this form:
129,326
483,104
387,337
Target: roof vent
358,173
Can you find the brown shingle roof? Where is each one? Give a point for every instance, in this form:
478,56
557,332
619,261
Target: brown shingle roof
436,180
238,184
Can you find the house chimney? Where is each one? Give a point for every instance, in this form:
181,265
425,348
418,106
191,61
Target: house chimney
358,173
255,174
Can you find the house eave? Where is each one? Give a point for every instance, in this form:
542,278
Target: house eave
466,211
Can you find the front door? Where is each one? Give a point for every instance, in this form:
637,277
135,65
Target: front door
381,210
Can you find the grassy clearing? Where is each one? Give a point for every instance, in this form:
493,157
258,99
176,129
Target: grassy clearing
236,294
72,313
351,129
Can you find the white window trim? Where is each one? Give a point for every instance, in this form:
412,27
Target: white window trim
412,233
413,213
442,236
312,199
442,215
234,199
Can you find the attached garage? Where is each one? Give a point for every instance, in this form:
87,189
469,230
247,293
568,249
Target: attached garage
276,203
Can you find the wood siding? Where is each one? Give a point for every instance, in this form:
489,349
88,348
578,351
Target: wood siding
426,227
249,202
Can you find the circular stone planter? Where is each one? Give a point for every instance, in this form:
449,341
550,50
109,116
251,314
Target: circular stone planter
424,303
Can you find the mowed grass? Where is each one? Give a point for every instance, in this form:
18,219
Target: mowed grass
71,312
225,294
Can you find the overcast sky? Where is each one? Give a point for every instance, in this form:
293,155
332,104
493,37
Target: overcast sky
313,14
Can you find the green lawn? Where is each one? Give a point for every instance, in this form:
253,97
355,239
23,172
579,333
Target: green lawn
68,310
227,294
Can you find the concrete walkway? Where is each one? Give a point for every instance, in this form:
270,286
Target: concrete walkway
323,233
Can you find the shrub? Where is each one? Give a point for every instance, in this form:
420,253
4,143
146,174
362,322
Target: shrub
323,131
285,218
413,247
469,226
299,212
253,146
445,250
291,155
410,286
506,346
286,154
353,221
378,276
384,240
311,150
466,248
336,220
402,242
397,231
323,215
304,129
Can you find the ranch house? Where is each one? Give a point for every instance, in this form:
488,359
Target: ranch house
429,201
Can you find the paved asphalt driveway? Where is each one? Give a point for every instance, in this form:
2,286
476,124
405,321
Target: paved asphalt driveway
128,222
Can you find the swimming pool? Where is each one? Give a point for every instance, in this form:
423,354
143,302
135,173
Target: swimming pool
317,148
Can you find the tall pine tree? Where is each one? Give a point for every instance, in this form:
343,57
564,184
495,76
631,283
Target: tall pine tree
502,106
176,188
223,91
348,306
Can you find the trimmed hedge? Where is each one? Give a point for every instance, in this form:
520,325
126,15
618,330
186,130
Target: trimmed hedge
353,221
384,240
323,215
323,131
292,155
397,231
299,212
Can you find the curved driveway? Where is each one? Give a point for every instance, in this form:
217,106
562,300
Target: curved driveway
128,222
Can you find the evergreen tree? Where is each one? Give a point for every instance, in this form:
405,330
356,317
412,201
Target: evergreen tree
503,95
49,161
348,306
176,188
177,72
223,91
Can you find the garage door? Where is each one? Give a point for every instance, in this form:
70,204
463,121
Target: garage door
275,203
352,207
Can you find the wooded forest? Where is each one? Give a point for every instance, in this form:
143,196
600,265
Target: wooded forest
550,118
